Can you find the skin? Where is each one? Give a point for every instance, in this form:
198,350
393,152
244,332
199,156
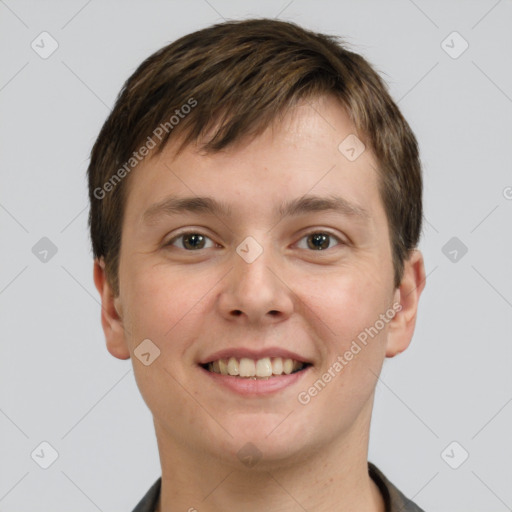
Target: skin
192,303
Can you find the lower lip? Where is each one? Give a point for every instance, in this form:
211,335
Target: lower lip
256,387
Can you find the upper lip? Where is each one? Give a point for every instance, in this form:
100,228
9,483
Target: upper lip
240,352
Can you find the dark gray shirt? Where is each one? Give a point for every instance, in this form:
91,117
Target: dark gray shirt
394,500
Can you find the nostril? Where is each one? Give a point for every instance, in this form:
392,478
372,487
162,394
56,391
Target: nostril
237,312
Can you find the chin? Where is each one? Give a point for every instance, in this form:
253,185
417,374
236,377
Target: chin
262,441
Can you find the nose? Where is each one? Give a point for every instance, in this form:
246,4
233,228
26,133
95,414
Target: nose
257,292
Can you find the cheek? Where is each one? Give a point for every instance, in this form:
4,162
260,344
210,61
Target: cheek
343,305
165,307
163,300
345,317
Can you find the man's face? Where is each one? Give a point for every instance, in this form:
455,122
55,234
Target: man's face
254,284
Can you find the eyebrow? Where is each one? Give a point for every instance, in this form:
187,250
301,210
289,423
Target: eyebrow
174,205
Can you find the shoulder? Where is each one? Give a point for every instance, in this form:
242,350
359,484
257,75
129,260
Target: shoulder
394,499
149,502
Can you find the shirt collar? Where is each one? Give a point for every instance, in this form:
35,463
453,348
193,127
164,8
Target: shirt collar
394,500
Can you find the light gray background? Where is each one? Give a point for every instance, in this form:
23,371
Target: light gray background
58,382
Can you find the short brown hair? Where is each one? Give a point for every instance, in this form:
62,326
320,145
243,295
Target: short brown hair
239,76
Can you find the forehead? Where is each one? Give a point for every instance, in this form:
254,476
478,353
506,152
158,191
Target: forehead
302,154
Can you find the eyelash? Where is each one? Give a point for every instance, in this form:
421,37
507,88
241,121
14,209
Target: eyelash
315,232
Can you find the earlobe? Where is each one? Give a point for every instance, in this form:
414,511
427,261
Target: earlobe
111,314
401,328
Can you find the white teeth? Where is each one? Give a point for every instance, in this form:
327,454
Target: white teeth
288,366
263,367
277,366
223,366
249,368
233,367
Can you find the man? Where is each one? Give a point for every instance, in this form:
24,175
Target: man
255,212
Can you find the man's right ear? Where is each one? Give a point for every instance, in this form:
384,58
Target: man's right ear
111,319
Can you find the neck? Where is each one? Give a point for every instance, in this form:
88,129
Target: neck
317,480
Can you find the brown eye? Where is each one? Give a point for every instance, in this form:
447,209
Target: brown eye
190,241
319,240
193,241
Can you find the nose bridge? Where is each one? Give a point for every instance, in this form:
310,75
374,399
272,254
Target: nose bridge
255,290
254,279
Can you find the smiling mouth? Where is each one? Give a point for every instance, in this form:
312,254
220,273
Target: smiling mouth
246,368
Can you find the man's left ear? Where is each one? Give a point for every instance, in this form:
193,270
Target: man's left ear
401,327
